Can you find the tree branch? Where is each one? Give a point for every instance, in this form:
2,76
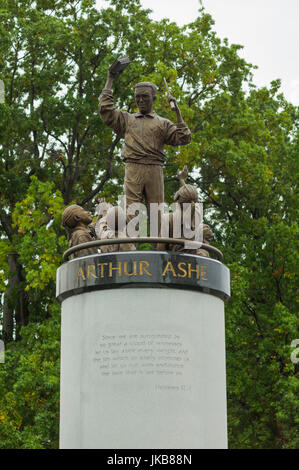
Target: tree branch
106,176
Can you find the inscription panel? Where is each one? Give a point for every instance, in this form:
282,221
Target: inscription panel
148,355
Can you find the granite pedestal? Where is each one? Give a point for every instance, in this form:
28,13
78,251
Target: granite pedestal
143,351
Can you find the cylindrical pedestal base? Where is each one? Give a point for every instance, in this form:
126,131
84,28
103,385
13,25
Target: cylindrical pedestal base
143,368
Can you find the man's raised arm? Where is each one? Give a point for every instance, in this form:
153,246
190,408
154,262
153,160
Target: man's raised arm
112,117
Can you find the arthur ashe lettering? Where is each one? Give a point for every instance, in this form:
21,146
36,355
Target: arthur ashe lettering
108,270
140,268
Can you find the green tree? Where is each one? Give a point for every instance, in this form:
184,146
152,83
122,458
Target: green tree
29,380
54,150
249,174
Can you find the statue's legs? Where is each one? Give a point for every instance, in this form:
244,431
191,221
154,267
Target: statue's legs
143,181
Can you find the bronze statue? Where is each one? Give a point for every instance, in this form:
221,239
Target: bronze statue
145,135
78,220
186,198
113,225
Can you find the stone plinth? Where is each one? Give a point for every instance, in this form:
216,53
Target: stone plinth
143,351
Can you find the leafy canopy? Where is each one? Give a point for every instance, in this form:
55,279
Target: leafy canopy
54,150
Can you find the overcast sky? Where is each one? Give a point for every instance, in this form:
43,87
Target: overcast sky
268,30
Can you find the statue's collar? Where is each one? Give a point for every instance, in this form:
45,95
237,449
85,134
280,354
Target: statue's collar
152,114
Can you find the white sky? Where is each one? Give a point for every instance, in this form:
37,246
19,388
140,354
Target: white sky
268,30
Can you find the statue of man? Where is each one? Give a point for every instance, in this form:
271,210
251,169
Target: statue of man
145,135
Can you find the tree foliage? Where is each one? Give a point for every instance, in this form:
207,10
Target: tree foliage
54,150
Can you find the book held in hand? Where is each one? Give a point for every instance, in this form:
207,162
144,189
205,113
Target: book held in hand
119,65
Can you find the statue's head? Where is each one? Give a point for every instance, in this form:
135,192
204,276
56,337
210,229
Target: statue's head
73,215
116,219
185,194
145,95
